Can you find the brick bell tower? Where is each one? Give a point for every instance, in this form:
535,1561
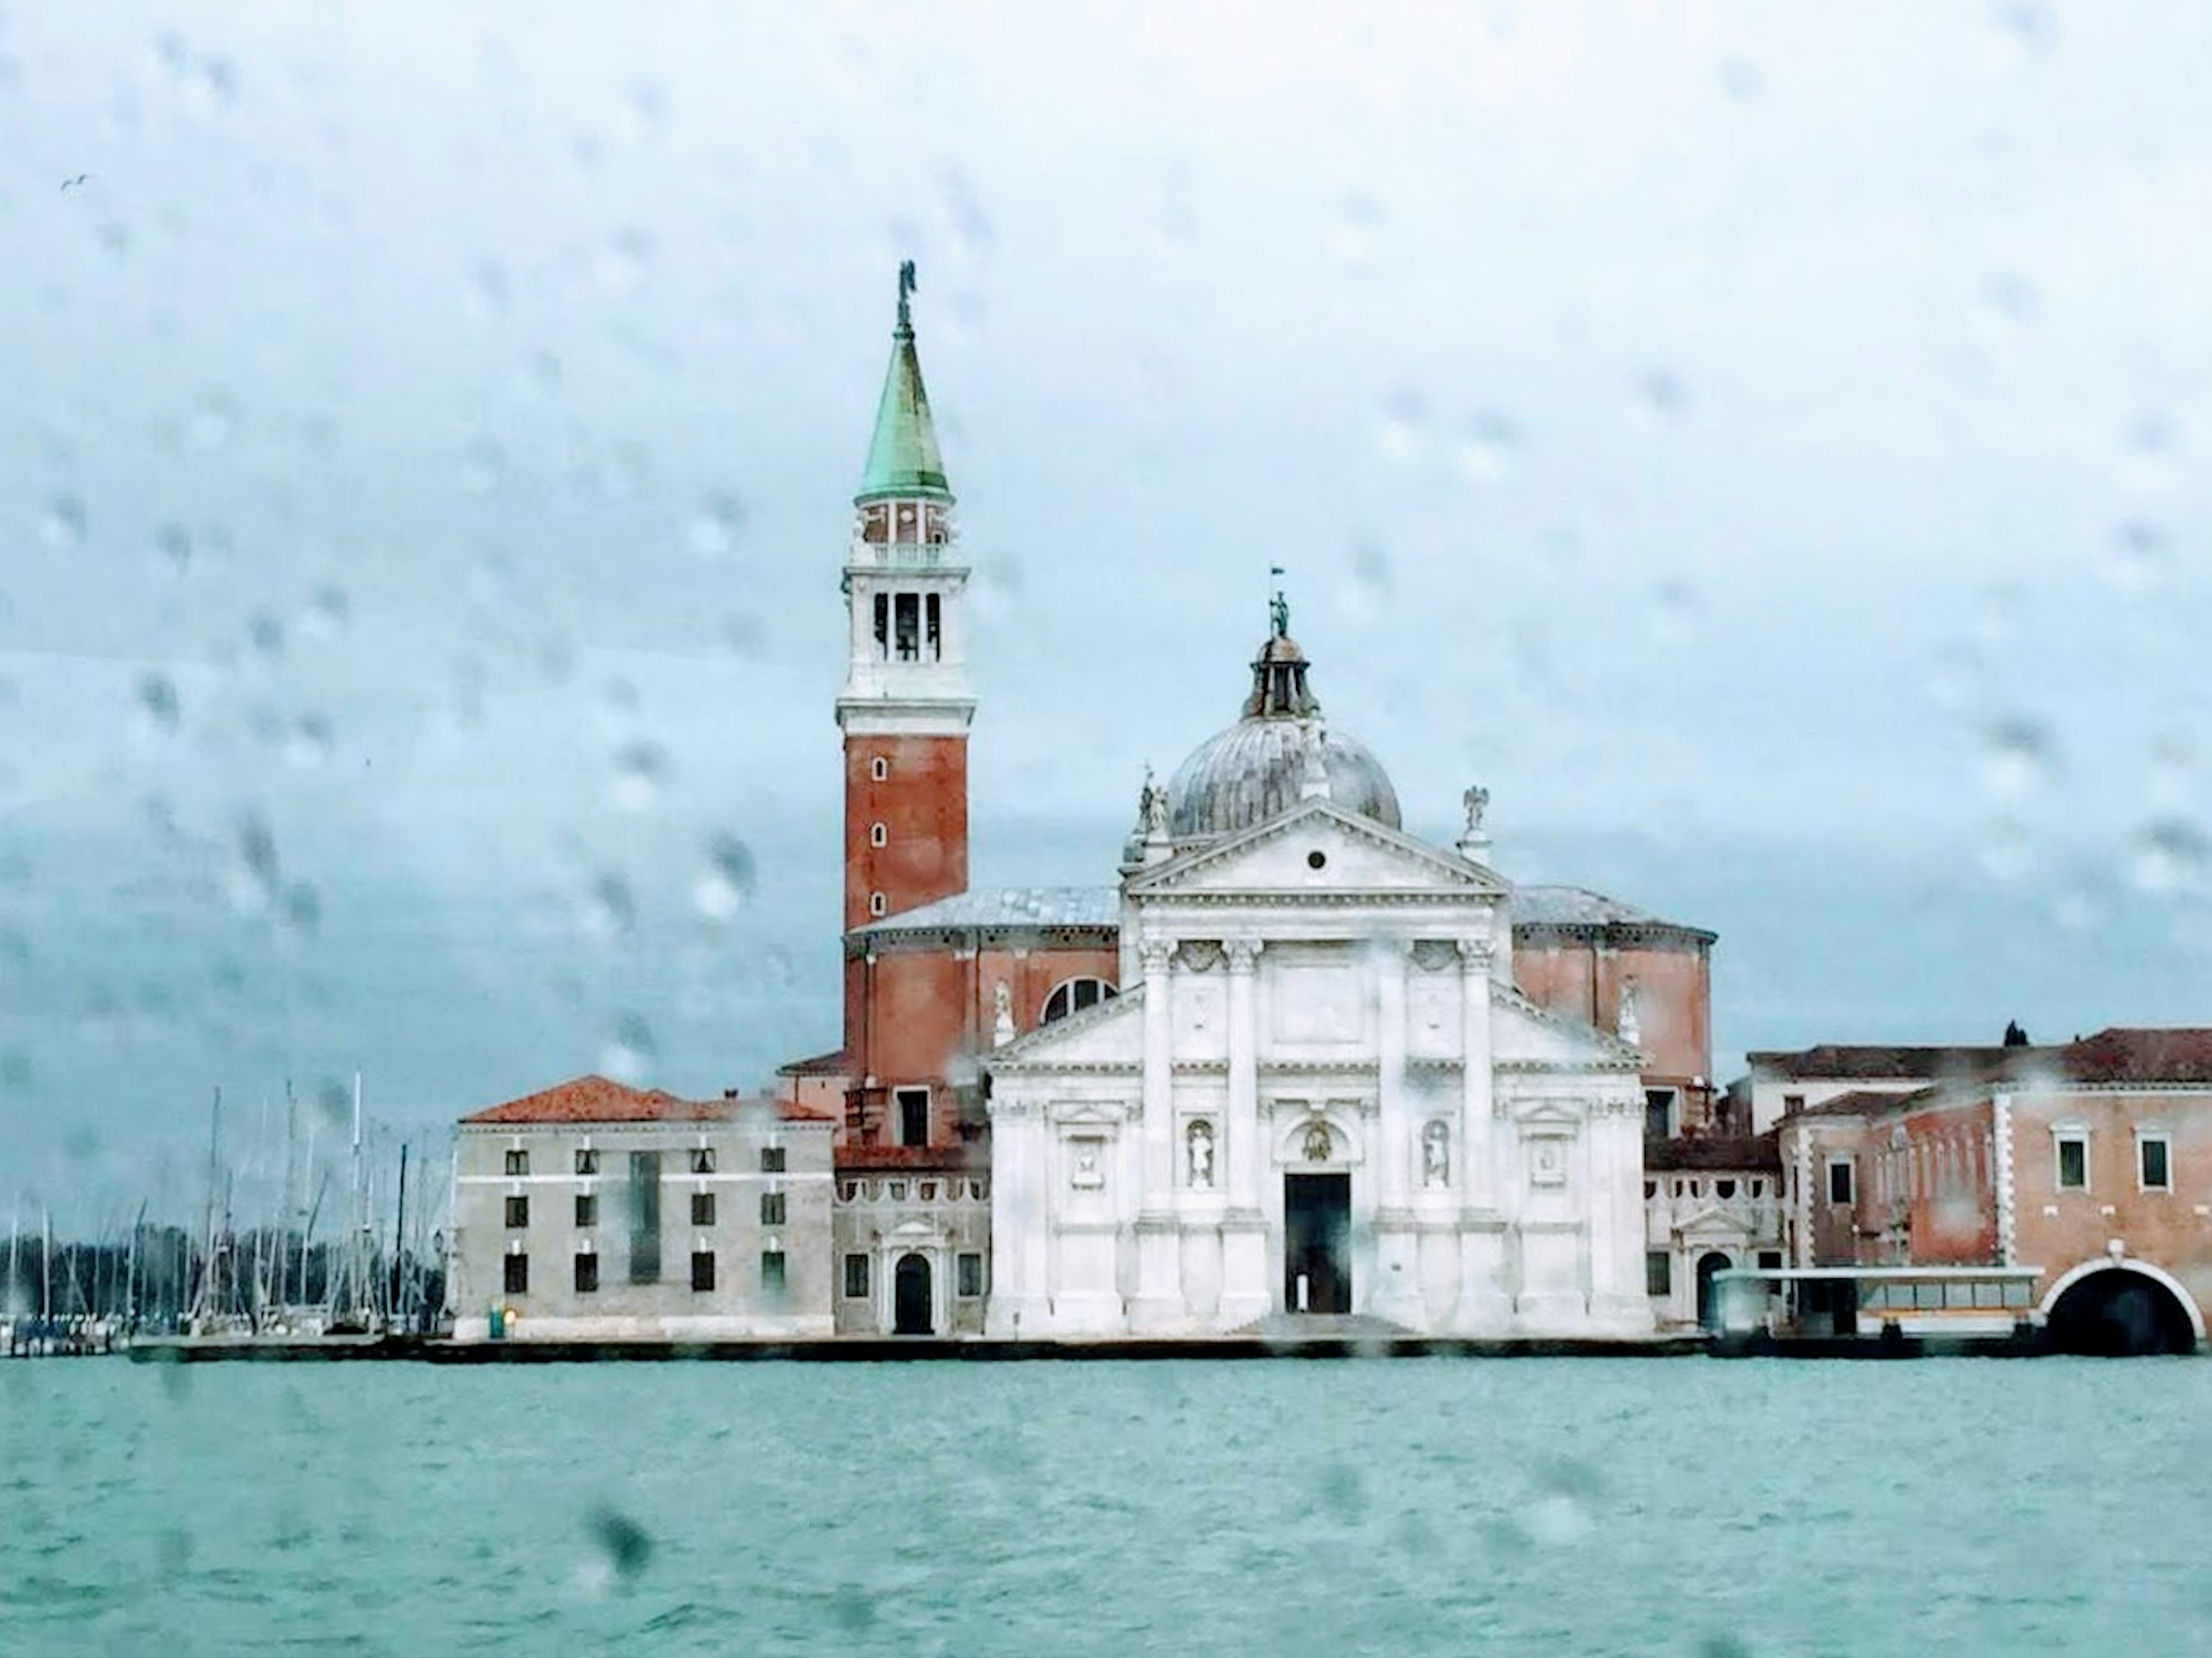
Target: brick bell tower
907,706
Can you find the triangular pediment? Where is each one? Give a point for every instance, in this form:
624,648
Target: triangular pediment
1107,1033
1525,1034
1357,854
1713,1222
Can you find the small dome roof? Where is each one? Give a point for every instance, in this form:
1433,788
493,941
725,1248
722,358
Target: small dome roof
1280,752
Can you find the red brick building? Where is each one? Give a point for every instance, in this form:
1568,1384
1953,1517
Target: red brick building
2091,1161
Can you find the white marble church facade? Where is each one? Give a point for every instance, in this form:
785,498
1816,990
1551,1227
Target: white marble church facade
1319,1091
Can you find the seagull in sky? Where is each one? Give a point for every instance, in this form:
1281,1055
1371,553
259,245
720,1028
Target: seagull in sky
70,184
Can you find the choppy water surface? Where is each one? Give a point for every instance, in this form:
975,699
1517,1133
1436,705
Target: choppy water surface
1444,1506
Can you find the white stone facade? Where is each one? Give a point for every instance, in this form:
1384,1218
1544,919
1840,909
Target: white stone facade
1318,1083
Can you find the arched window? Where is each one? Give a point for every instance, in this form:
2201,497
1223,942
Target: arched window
879,768
879,836
876,904
1072,996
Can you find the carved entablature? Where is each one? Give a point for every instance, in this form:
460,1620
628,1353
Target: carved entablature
1200,956
1435,955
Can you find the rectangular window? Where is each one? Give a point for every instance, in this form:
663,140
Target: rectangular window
645,1217
702,1270
588,1160
882,628
702,1208
933,635
2073,1163
587,1209
906,624
2153,1162
703,1159
856,1277
914,1117
771,1208
517,1275
1839,1180
1658,1272
518,1162
588,1273
771,1160
1658,1113
772,1270
970,1269
1769,1258
1792,1104
518,1211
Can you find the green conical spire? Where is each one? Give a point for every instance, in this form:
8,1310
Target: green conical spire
902,458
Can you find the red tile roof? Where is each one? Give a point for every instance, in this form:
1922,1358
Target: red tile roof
821,1065
1864,1102
1846,1062
1757,1153
2179,1055
599,1099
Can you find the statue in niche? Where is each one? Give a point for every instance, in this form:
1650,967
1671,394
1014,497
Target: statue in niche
1436,1154
1002,1014
1631,1022
1477,801
1319,1144
1200,1139
1087,1171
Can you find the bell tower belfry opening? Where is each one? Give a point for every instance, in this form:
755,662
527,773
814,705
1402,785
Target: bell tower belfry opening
906,705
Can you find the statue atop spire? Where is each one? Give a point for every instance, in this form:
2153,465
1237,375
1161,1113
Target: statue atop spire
907,285
903,456
1278,607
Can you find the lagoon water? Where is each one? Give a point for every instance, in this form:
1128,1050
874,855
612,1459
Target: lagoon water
1572,1507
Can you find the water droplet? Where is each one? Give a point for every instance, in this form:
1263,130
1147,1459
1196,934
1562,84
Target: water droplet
254,875
2147,451
1741,81
2171,856
489,290
482,465
1487,448
1557,1520
2016,758
744,634
2009,300
173,543
542,374
1674,607
157,696
212,423
629,1054
1662,395
624,260
308,745
1404,425
1358,231
328,610
265,633
727,883
639,769
716,527
2005,853
969,228
609,909
2141,555
16,1070
303,908
62,524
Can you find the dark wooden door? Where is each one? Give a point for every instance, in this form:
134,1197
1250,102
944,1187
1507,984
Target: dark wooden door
1317,1243
910,1297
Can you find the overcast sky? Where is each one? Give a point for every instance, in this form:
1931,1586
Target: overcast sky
1763,444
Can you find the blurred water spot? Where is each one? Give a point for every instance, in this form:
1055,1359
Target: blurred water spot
715,526
631,1052
1675,606
1741,81
1487,447
2139,555
483,464
173,1552
639,771
1402,427
157,698
2016,758
609,910
1342,1495
852,1609
727,885
16,1070
2171,856
211,423
62,523
303,908
488,288
2009,300
2005,852
624,1547
624,260
744,634
1356,232
1661,394
265,633
971,229
542,373
328,610
254,875
2147,451
1723,1646
308,743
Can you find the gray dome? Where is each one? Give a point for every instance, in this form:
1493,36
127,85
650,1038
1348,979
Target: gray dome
1257,768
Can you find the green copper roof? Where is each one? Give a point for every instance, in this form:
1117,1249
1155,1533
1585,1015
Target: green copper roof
902,458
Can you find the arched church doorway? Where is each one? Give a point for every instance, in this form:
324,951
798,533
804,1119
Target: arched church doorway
1708,1309
910,1297
2116,1312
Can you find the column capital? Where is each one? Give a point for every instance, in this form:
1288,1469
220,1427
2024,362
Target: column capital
1475,953
1243,954
1156,954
